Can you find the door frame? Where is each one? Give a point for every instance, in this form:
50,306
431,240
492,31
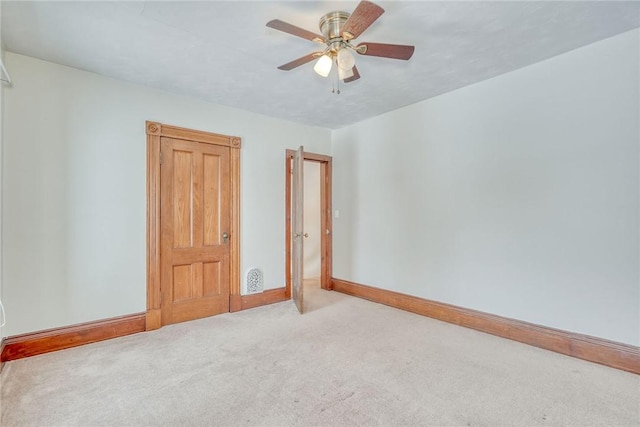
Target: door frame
155,131
326,224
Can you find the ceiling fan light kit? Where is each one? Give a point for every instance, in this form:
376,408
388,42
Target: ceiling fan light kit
323,65
338,29
345,59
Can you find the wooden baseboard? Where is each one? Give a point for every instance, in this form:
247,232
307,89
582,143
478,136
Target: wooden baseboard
270,296
245,302
19,346
609,353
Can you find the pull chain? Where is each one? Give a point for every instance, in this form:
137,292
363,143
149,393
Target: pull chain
337,77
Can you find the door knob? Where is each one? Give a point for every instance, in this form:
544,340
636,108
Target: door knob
225,237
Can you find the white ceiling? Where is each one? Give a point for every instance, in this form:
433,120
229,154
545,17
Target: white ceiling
222,52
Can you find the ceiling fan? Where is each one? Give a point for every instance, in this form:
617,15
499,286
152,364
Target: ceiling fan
339,29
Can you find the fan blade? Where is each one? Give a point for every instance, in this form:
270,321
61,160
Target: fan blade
277,24
356,75
365,14
300,61
395,51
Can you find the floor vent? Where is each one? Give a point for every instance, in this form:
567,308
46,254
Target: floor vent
254,281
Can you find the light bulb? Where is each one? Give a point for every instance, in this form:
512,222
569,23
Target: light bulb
345,59
323,66
345,74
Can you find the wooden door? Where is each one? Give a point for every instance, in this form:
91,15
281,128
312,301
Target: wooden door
195,224
297,226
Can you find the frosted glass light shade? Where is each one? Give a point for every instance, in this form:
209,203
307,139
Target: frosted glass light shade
323,66
345,59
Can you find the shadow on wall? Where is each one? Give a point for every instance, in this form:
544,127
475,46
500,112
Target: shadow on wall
346,166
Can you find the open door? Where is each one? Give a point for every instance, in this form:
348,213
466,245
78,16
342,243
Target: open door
297,228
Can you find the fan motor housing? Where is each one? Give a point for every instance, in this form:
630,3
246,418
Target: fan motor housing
331,24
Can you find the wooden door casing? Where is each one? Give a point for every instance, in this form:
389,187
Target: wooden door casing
192,273
326,222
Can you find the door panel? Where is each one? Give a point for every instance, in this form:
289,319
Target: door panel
195,212
297,228
211,199
181,282
212,278
182,198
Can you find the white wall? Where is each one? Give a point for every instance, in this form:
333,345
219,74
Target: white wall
74,191
517,196
312,261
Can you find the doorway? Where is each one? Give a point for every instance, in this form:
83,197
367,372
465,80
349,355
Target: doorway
323,168
312,226
193,233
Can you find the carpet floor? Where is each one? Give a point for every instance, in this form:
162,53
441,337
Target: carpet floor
346,361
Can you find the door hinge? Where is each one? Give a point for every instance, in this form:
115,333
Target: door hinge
161,157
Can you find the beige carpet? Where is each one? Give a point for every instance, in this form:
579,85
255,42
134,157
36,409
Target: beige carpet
346,362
